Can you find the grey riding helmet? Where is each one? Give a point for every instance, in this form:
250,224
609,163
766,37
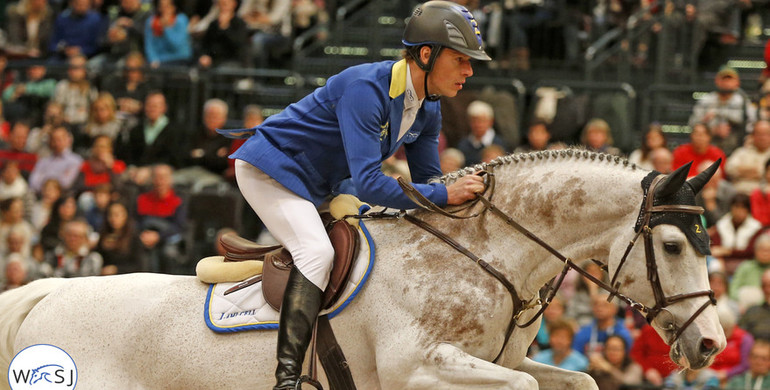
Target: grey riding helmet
440,24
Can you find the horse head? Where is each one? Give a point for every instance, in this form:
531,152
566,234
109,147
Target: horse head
681,306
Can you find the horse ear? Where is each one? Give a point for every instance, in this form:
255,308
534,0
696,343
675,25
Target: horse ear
699,181
673,182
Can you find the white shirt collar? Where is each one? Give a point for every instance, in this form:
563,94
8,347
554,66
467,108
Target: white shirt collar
410,95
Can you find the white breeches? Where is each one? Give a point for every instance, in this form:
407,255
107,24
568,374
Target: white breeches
291,219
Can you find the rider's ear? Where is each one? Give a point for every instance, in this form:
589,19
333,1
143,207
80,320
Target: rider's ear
699,181
673,182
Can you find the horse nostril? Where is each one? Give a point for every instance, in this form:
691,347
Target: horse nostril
707,346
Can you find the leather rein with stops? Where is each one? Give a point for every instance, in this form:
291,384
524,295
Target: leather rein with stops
520,305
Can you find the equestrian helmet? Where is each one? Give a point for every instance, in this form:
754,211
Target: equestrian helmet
440,24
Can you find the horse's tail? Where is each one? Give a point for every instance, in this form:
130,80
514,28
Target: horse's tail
15,305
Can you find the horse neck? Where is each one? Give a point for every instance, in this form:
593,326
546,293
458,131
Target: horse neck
580,207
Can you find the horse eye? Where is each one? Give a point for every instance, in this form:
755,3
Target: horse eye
672,248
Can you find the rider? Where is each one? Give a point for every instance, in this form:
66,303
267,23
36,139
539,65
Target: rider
335,139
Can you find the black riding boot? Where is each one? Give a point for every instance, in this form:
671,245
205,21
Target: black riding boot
300,307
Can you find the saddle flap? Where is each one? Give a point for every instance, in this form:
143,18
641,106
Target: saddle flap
275,276
344,239
240,249
278,263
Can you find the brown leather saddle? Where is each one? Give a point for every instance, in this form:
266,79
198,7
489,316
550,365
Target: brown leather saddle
278,262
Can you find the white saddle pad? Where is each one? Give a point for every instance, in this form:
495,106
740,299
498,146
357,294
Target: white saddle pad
246,309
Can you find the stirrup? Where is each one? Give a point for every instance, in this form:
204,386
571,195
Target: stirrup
311,381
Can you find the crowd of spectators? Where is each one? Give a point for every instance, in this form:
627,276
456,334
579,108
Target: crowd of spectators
94,178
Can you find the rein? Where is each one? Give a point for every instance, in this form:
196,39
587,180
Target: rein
520,305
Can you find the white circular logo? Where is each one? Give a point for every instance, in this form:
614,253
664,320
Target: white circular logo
42,367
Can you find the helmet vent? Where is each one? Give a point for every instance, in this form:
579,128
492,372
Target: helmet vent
417,11
455,35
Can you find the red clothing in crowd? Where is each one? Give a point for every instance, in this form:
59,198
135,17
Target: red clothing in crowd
685,153
150,204
650,351
26,160
93,178
760,206
735,358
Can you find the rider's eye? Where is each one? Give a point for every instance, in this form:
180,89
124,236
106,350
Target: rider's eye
672,248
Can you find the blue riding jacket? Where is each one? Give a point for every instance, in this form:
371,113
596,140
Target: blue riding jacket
335,139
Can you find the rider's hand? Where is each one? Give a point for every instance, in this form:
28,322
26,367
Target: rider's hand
464,189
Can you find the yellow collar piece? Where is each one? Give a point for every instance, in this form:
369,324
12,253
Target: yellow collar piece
398,79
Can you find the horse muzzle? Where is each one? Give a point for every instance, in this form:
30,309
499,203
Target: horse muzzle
695,351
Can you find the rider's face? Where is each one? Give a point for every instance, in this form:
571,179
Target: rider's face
449,73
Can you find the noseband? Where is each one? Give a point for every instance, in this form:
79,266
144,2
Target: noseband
519,305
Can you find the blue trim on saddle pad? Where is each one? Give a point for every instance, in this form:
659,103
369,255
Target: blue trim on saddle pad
272,323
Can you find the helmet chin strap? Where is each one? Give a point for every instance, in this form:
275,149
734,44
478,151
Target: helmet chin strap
434,52
429,96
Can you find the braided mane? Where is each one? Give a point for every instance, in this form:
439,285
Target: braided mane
554,155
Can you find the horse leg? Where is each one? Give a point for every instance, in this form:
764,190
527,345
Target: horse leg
445,366
550,377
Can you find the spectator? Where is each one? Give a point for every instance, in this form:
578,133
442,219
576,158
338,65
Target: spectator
596,137
733,239
17,151
126,30
74,257
154,141
561,354
613,369
5,127
166,40
759,366
654,138
698,150
703,379
225,39
39,137
41,210
129,89
760,197
78,31
590,338
748,275
451,160
12,184
662,160
721,287
205,155
715,197
492,152
745,166
63,165
552,314
580,306
94,205
269,25
30,25
733,360
15,274
101,167
727,104
538,138
756,319
65,209
161,215
26,99
75,93
19,242
6,76
651,352
119,242
482,118
102,121
252,117
12,217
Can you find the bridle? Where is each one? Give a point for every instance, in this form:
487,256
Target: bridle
519,305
